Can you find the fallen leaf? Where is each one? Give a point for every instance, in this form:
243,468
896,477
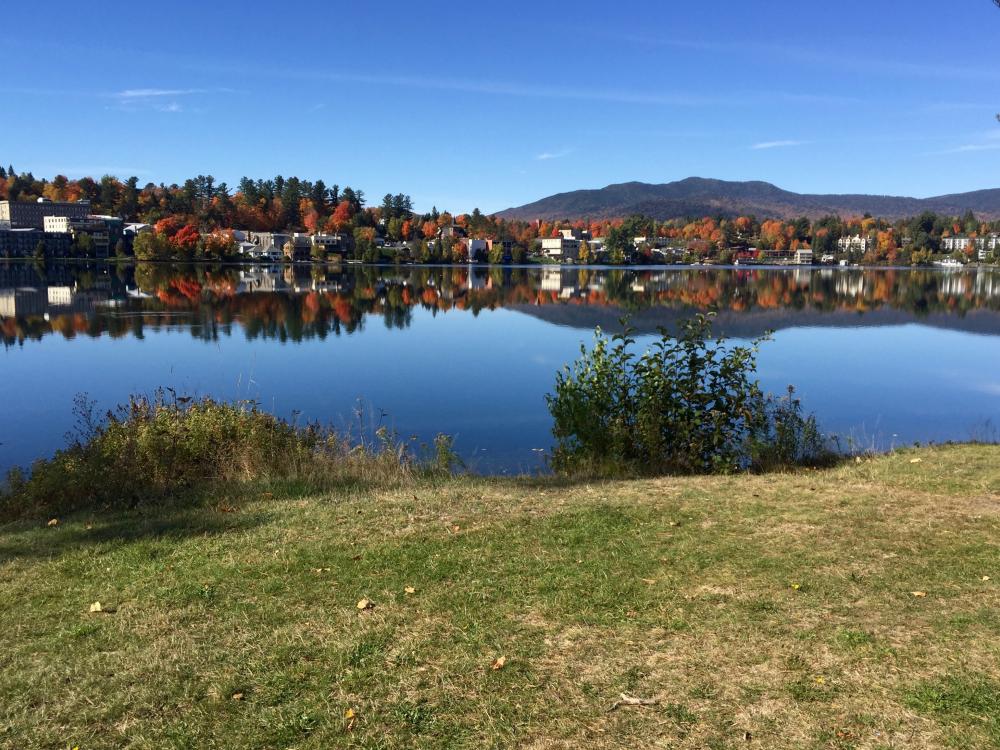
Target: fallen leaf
237,696
410,590
916,460
365,604
649,581
96,607
349,713
498,663
351,718
675,523
53,522
796,586
919,594
985,578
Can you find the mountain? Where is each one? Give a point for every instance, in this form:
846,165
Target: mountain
697,197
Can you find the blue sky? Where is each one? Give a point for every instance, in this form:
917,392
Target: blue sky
492,105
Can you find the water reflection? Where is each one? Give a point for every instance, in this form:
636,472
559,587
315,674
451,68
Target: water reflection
295,303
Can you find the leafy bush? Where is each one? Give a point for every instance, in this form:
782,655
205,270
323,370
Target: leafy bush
154,448
688,405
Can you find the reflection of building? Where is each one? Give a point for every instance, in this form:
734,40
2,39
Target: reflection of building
31,214
19,303
988,284
850,284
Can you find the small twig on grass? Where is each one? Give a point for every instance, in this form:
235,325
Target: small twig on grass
630,700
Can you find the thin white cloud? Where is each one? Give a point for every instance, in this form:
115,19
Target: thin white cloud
150,92
548,155
172,107
984,141
156,93
777,144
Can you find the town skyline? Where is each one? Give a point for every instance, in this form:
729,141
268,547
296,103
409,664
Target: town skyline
518,106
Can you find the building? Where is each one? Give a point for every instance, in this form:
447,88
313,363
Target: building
31,214
855,244
478,249
298,247
330,242
563,249
804,256
958,244
506,245
93,226
269,240
987,245
24,243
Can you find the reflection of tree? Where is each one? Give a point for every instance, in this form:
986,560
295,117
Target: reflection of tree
212,302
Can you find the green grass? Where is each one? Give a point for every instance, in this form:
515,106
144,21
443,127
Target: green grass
778,607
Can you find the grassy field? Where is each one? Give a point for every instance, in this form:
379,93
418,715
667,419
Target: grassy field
851,608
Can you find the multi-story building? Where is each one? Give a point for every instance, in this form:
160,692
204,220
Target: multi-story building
561,248
987,245
957,244
804,256
268,241
93,226
855,244
24,243
31,214
477,249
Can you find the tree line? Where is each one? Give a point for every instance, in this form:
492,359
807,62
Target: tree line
192,219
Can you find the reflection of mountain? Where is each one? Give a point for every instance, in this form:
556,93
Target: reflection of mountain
754,323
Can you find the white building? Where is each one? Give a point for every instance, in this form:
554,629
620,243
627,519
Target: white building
855,244
957,244
987,245
804,256
563,249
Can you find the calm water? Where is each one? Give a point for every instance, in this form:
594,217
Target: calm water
888,356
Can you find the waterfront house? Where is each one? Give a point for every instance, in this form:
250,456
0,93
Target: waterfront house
564,249
804,256
855,244
957,244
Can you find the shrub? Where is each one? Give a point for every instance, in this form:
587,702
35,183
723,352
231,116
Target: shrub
152,449
688,405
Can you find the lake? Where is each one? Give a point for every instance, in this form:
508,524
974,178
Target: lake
882,356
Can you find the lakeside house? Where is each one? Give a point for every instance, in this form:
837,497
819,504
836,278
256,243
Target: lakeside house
563,249
855,244
956,244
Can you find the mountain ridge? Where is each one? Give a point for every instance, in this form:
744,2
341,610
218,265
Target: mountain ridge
700,196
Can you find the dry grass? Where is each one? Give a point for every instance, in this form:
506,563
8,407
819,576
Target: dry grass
763,612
